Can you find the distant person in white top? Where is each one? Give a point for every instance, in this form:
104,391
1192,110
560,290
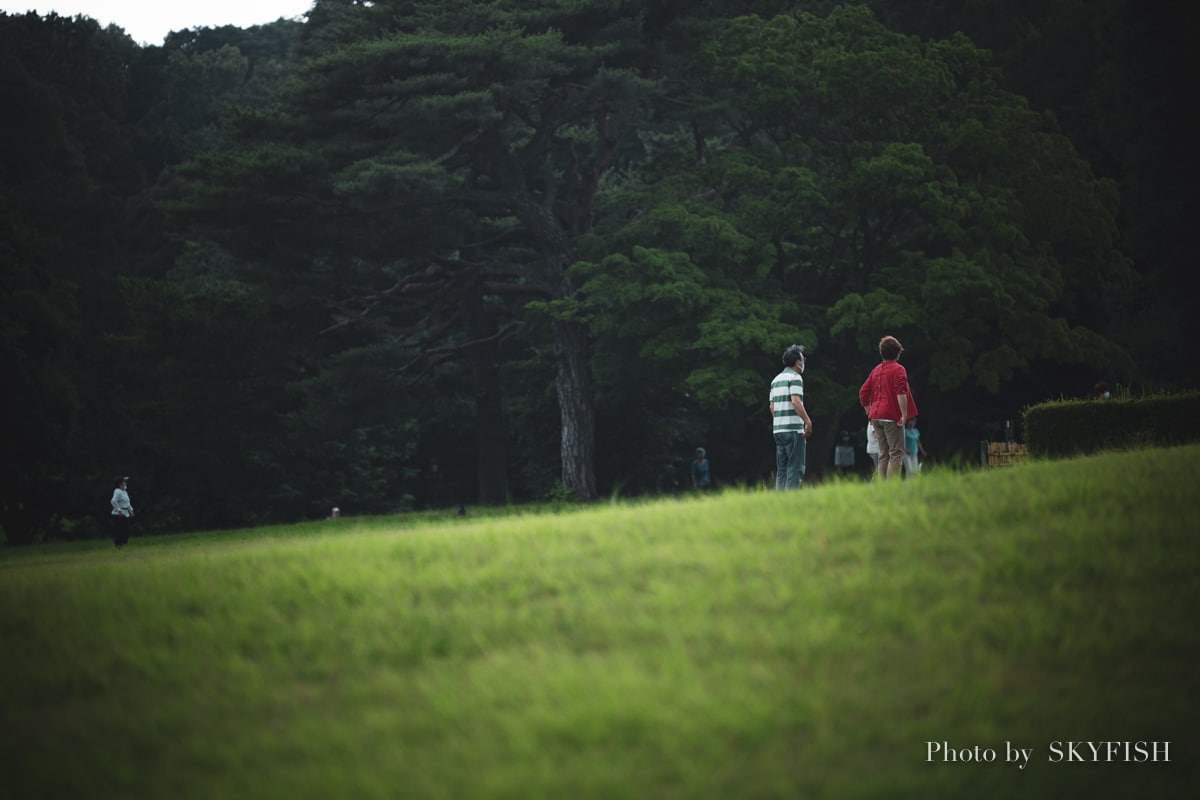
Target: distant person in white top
122,512
872,445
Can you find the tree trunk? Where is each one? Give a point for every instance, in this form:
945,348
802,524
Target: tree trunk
492,442
491,431
574,386
573,382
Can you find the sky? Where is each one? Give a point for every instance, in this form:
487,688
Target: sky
149,21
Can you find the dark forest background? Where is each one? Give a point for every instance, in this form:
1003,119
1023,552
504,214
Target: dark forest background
423,254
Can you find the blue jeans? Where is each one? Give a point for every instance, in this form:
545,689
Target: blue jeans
790,453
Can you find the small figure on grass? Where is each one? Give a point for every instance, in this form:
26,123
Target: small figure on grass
913,447
873,448
122,512
843,454
701,471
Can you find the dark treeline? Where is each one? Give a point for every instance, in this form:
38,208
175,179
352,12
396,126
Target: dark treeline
418,254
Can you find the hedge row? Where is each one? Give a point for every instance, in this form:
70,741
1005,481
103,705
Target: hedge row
1060,428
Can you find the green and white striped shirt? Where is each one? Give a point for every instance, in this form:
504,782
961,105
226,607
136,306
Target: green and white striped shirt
786,384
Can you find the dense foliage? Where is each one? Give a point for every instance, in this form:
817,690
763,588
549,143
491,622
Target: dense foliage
1064,428
427,254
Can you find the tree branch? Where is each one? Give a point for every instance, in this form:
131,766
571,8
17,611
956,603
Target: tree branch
449,154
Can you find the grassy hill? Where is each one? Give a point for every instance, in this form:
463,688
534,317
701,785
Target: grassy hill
819,644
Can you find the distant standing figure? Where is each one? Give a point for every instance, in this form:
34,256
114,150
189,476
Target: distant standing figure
843,453
122,512
912,447
886,398
668,480
792,425
701,470
872,445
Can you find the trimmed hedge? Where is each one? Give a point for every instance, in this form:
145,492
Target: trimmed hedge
1060,428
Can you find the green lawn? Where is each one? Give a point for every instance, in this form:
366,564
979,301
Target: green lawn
746,645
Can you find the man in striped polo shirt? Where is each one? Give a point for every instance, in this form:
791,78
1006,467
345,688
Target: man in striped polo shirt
792,425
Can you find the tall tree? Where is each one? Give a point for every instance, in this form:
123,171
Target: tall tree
426,128
877,182
56,272
1116,76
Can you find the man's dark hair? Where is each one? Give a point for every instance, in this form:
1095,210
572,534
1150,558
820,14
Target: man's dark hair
792,355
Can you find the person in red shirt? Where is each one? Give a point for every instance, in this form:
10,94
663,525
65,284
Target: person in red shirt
886,398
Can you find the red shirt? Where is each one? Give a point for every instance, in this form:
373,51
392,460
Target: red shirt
880,389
